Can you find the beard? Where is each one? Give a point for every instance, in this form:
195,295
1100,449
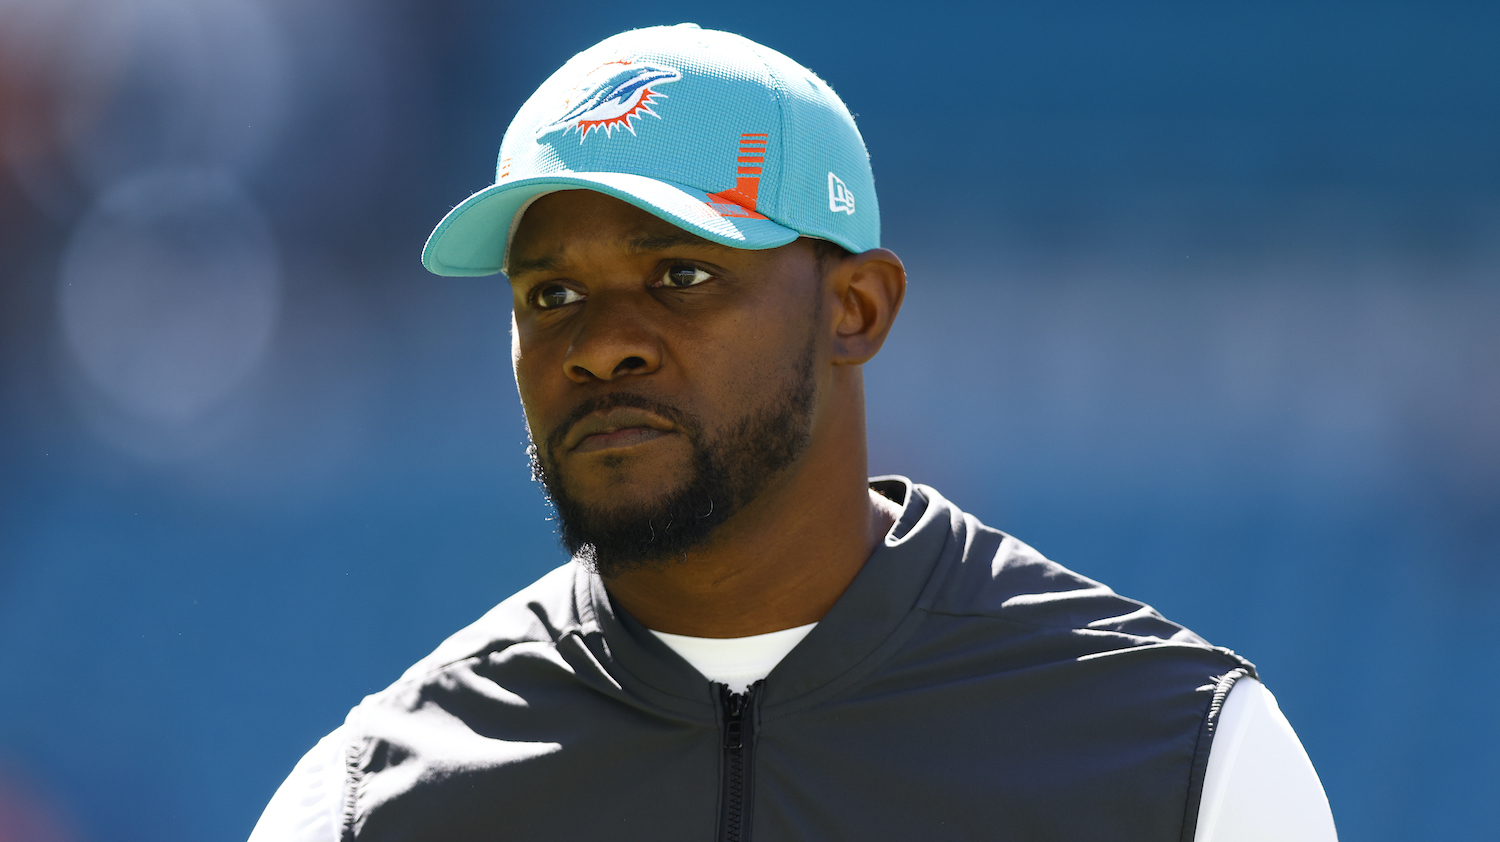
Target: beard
724,474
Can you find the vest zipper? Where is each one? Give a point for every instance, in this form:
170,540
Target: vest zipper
739,727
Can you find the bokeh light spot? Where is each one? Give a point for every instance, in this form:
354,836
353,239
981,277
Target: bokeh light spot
169,293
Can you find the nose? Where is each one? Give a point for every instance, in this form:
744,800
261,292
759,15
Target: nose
612,339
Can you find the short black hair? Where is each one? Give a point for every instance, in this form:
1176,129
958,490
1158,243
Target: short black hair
826,252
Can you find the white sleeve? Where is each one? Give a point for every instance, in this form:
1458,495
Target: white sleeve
308,806
1260,785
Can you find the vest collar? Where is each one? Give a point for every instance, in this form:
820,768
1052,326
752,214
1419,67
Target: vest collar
867,623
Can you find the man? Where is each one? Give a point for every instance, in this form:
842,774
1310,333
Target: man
754,640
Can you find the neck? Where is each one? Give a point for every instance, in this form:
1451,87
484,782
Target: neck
784,559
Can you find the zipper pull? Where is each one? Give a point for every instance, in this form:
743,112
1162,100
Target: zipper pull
736,707
734,719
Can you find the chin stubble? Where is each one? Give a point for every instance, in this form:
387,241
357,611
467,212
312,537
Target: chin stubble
724,474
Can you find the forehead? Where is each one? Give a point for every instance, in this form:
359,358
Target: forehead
559,223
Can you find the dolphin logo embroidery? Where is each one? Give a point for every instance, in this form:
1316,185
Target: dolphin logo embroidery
614,101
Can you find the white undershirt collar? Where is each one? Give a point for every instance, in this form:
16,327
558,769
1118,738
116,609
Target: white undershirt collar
736,661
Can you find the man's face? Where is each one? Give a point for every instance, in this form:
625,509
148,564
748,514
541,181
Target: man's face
666,380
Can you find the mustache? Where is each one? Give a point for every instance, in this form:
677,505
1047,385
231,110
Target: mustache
599,403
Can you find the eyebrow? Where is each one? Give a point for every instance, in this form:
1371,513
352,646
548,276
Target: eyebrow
638,244
547,263
665,240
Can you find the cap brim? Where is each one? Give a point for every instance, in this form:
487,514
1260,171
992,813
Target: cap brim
471,240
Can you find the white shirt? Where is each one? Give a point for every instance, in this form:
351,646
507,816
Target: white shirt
1260,785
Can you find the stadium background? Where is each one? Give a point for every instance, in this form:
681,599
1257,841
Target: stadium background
1203,304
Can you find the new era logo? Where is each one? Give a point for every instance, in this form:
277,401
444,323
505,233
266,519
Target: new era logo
839,197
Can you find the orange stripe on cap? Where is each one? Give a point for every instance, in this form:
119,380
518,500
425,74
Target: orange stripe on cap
741,198
742,205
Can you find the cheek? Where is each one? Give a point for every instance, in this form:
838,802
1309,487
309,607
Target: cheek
515,345
762,360
528,367
518,369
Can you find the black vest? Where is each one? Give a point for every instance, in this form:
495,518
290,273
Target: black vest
962,688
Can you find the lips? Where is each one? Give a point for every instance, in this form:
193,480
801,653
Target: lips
618,427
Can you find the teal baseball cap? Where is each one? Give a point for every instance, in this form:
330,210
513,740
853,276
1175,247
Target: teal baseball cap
708,130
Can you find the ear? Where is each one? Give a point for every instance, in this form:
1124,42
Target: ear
868,289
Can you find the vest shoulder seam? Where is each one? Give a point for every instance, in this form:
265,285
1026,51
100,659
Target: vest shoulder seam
1000,616
1198,770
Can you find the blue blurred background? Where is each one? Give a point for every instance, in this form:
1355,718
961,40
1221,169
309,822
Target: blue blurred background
1204,303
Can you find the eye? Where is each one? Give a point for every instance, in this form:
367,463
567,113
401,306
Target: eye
551,296
683,275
